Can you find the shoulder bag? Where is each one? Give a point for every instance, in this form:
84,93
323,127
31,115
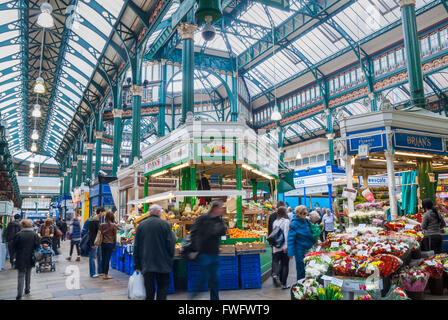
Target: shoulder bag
315,231
99,238
276,238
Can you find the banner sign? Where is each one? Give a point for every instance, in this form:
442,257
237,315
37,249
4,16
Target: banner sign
379,180
375,143
418,142
172,156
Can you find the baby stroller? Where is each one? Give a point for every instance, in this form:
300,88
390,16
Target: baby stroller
44,256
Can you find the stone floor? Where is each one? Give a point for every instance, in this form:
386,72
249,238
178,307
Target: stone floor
57,285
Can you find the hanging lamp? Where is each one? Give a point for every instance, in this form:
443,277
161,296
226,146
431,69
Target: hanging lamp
36,111
39,86
45,19
35,135
33,147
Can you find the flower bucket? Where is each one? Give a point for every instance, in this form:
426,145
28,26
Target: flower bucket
445,279
416,254
436,286
416,295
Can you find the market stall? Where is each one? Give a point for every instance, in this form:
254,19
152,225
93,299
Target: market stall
6,216
412,142
188,156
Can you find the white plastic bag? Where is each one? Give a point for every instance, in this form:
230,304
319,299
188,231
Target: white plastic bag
136,287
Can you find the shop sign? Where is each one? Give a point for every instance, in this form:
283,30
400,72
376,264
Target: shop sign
172,156
374,143
379,181
217,149
417,142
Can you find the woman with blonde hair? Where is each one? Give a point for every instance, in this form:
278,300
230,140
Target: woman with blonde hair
26,242
300,239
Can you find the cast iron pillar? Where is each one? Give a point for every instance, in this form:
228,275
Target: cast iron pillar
412,50
137,93
74,164
80,163
98,137
117,113
162,100
330,135
89,147
234,102
186,31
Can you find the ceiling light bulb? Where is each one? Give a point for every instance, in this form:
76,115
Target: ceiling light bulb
31,172
299,155
32,165
39,86
33,147
45,19
276,116
36,111
35,135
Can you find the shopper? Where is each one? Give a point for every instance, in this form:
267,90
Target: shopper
205,235
290,214
11,230
59,226
314,217
328,221
300,239
154,253
108,230
280,259
95,252
64,229
25,243
432,225
273,216
56,237
75,238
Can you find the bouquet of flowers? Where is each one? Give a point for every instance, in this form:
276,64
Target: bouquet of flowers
432,266
391,264
364,297
395,225
367,267
346,266
394,247
316,269
305,290
413,279
396,294
332,292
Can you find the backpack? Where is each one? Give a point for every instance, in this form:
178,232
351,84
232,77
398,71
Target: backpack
187,251
276,238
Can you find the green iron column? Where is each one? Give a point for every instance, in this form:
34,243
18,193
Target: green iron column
193,184
412,50
98,137
330,135
239,199
254,189
61,185
145,194
74,164
89,147
67,181
79,167
162,100
186,31
137,93
64,189
117,113
234,105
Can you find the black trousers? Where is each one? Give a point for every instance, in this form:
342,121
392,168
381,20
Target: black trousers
24,277
11,252
433,242
74,244
106,253
162,280
280,266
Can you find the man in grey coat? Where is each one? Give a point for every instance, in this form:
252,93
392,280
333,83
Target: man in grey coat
154,253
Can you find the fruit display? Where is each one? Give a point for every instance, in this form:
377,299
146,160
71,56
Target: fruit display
237,233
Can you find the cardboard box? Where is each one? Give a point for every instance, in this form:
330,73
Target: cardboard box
246,247
231,205
227,250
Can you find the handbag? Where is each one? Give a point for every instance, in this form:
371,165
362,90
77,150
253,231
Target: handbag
58,233
276,238
315,231
188,251
98,239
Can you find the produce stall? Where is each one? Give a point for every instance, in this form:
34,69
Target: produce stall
6,216
187,156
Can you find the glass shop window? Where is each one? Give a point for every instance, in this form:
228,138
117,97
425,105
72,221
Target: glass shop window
320,157
376,66
444,37
341,81
347,78
313,159
424,45
399,56
331,85
327,156
384,65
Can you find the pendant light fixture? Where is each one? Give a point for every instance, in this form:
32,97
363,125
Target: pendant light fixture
276,115
39,86
36,111
32,165
33,147
45,19
35,135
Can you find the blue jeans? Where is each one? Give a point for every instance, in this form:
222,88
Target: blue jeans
300,265
209,265
95,253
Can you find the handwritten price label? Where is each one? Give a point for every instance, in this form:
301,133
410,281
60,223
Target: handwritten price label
430,263
337,282
334,245
362,225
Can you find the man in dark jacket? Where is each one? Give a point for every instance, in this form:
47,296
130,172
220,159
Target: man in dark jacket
205,235
95,252
63,229
11,230
26,242
154,253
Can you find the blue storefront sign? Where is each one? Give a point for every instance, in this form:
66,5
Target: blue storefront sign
418,142
375,142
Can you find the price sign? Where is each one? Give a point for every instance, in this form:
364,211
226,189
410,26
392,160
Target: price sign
325,277
430,263
326,259
337,282
354,233
334,245
408,227
223,238
362,225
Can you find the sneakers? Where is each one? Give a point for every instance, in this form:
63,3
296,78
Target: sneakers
27,293
68,258
285,287
94,276
276,280
78,259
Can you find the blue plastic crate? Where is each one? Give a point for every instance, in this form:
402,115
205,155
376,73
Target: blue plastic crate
445,246
127,263
250,271
193,276
228,273
113,260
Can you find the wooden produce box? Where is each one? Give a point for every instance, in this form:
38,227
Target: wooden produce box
250,248
231,205
227,250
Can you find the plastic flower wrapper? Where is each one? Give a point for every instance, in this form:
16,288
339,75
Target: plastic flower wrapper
433,266
413,279
396,293
390,264
332,292
306,289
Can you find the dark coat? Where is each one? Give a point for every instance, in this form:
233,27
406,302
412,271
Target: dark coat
94,226
64,227
271,220
206,233
154,246
11,230
76,234
25,243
